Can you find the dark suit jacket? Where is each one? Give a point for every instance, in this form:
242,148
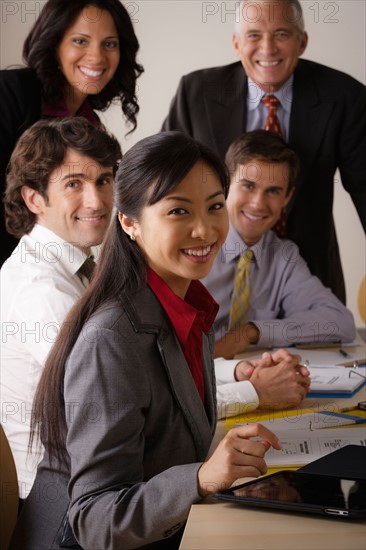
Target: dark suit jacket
137,434
327,129
20,107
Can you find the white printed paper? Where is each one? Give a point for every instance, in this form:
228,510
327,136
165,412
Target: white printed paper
302,447
315,420
335,379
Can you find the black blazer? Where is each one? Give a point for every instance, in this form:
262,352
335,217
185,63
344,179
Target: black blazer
327,129
20,107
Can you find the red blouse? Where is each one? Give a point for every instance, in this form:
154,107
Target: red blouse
189,317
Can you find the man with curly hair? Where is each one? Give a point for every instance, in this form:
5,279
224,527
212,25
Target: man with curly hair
58,201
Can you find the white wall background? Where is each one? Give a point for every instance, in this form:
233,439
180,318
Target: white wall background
178,36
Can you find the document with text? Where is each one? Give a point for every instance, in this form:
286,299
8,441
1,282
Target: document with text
304,446
335,380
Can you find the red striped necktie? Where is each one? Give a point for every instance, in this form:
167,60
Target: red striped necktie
273,125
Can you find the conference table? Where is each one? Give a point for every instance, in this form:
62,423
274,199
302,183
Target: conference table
219,525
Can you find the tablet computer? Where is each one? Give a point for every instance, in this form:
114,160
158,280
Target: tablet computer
302,492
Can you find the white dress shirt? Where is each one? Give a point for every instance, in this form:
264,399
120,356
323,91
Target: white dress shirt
39,285
288,305
233,398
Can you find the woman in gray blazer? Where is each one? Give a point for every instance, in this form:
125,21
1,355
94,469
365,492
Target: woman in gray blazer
126,404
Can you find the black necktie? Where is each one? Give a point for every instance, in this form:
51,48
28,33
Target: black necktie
87,268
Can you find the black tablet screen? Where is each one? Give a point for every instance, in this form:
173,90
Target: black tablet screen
304,489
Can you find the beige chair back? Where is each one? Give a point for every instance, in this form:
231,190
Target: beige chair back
362,299
9,499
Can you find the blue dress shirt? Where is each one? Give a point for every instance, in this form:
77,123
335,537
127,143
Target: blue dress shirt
288,304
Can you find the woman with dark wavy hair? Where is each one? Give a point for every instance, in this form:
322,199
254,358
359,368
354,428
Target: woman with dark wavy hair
79,56
126,405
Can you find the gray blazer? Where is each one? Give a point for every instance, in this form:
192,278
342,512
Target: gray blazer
137,435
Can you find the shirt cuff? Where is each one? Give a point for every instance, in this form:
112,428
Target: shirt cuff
236,398
225,370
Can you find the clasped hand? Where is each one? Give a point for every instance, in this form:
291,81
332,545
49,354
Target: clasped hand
278,378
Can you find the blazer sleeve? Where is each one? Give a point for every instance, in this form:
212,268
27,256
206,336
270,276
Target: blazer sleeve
352,147
108,403
20,107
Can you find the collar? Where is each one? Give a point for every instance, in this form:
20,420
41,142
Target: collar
198,306
284,94
54,250
62,111
234,247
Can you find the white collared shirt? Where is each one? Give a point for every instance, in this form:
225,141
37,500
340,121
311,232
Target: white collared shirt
39,285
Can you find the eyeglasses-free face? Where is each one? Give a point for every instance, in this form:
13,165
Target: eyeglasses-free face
89,54
269,43
181,234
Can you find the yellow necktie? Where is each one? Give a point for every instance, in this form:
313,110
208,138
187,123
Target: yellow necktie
241,294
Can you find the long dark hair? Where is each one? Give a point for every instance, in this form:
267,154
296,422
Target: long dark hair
148,172
39,53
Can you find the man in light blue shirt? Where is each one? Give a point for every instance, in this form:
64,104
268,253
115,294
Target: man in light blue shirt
257,112
288,305
321,114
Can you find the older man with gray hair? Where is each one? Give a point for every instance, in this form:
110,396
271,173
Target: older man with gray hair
319,111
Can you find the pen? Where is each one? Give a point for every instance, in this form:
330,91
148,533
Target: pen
347,409
342,352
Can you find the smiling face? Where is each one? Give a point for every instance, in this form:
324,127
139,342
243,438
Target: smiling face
258,192
181,234
88,54
269,43
80,201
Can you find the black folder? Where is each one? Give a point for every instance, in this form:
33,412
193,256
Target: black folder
348,462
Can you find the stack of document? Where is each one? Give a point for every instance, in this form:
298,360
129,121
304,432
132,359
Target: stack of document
311,435
307,437
328,381
304,446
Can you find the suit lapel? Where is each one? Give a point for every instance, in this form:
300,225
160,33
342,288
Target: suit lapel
146,315
225,104
186,394
309,114
309,117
